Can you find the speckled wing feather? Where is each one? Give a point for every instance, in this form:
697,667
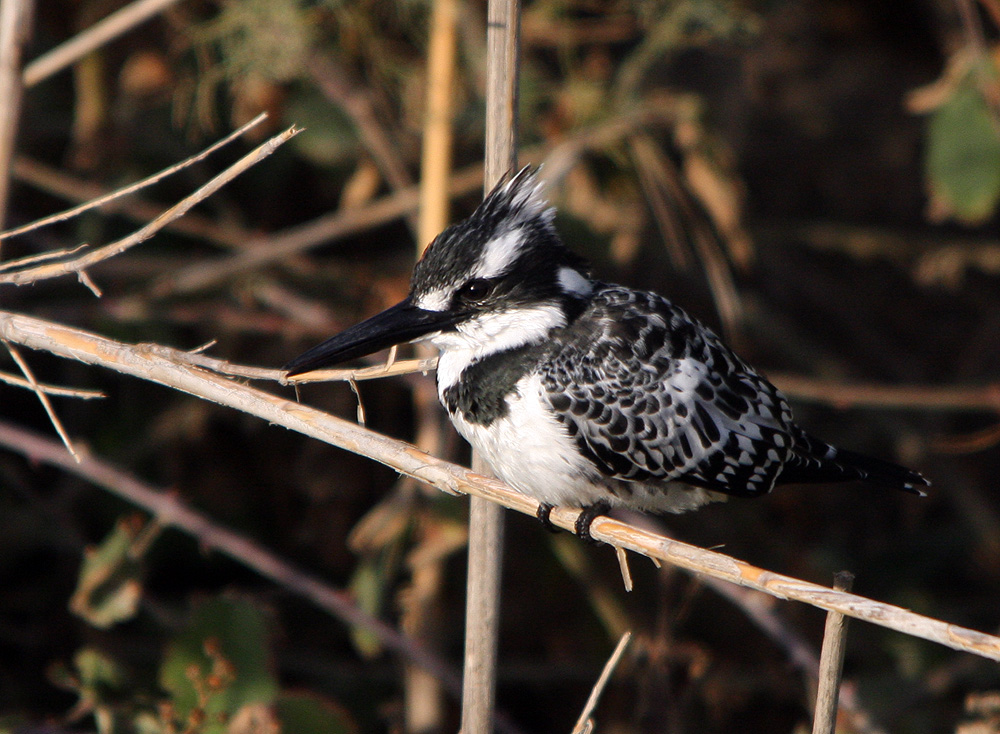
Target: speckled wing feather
651,396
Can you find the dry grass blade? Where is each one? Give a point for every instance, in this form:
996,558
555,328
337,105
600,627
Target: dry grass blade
56,269
138,185
144,363
585,723
624,567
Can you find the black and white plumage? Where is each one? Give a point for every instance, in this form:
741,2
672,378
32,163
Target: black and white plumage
583,393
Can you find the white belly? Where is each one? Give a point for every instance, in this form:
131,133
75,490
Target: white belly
530,450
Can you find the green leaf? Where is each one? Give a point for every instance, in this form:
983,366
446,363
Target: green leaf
220,663
98,673
963,156
368,587
109,590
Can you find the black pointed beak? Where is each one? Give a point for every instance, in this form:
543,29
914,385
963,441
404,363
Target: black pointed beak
402,323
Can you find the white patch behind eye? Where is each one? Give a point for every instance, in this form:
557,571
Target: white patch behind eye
499,254
571,281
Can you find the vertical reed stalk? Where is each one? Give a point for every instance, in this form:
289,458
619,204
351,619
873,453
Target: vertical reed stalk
485,518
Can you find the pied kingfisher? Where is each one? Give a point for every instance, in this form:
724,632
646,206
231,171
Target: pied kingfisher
588,394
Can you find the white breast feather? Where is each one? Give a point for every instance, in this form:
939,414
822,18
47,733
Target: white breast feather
531,450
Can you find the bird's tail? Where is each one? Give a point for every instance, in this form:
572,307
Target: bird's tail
817,461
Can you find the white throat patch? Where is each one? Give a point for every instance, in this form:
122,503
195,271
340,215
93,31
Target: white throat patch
491,333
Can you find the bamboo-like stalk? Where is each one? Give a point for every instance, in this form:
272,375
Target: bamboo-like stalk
151,364
423,709
482,604
831,663
15,20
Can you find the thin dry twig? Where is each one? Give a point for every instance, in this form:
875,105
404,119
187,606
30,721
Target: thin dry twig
295,240
56,269
224,367
58,183
585,724
875,395
624,567
145,364
63,392
969,443
390,368
119,22
42,398
132,188
40,258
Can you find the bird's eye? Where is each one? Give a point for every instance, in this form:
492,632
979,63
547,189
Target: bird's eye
475,290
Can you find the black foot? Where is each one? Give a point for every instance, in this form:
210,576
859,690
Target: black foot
543,512
586,519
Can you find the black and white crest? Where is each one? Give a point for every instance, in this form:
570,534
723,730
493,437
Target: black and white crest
511,233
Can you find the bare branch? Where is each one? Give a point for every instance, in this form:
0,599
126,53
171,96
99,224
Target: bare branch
59,183
132,188
56,269
119,22
146,364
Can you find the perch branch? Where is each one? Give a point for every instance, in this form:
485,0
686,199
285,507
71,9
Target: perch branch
144,363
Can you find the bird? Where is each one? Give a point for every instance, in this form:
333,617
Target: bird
588,394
